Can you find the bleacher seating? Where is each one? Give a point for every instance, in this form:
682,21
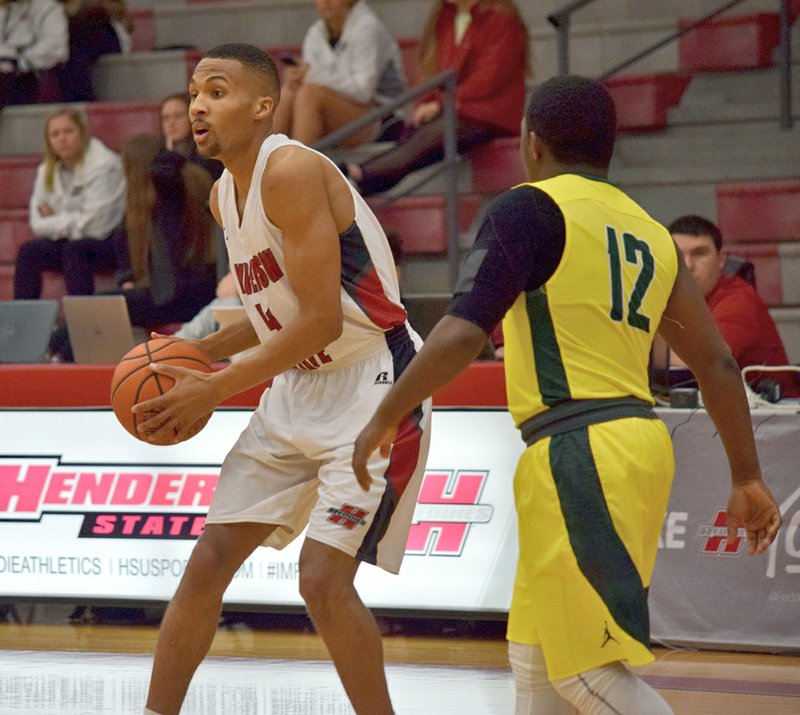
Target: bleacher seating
421,221
759,219
17,174
729,43
642,101
759,211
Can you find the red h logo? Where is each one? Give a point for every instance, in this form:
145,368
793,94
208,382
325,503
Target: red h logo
446,507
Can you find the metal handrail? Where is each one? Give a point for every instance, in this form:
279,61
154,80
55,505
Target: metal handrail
447,81
561,21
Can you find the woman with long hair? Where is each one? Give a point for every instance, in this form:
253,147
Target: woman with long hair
168,262
486,43
350,64
78,200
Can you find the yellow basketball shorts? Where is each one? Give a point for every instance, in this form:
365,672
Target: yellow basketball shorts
590,506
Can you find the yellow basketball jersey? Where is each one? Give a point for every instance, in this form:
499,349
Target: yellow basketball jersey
586,333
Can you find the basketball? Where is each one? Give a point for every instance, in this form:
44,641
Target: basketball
133,380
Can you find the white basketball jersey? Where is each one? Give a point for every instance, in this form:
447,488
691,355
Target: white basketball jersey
369,289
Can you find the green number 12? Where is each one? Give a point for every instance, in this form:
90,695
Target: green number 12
636,251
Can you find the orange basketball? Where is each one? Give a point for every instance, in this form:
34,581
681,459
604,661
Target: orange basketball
133,380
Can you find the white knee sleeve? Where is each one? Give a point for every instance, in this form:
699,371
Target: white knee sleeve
611,690
535,694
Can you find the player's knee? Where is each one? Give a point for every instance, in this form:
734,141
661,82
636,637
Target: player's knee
528,666
211,562
611,688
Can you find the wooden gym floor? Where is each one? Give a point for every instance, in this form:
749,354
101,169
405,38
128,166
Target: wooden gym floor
88,669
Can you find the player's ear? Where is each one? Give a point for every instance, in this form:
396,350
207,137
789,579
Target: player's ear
265,107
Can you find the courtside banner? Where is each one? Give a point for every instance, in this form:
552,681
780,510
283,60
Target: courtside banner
87,511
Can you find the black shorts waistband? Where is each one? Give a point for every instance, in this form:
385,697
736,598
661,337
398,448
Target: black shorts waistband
574,414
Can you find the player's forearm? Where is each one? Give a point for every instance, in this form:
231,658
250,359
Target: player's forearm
725,400
228,341
452,345
286,349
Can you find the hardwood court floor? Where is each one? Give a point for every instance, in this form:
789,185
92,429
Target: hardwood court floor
88,669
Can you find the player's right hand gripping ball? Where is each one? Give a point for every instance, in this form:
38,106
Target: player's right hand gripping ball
133,380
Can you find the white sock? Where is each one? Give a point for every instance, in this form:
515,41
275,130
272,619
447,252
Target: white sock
611,690
150,712
535,694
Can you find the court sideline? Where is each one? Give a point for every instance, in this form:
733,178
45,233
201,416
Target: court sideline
89,669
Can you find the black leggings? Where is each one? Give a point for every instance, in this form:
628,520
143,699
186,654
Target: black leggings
424,147
77,261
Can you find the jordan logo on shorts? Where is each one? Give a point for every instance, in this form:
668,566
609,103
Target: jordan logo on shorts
347,515
382,379
608,637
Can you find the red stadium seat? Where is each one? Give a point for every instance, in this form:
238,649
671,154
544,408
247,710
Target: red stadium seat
17,174
422,222
116,122
14,231
144,29
731,43
642,101
6,282
757,212
496,166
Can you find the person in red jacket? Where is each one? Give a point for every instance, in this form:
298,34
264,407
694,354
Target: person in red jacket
738,310
486,43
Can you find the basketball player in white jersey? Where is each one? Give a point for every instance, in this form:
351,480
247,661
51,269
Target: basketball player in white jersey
315,273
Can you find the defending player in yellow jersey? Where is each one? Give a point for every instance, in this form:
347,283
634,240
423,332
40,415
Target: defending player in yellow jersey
584,278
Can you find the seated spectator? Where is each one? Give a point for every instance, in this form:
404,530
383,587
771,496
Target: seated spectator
96,28
33,42
166,256
204,323
168,262
350,64
486,43
78,200
176,128
739,312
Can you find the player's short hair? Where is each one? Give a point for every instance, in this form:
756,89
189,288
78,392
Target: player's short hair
252,58
697,226
575,117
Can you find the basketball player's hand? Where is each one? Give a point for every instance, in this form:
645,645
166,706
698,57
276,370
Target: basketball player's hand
374,436
752,507
171,417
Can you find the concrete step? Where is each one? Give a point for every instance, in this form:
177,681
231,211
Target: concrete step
141,75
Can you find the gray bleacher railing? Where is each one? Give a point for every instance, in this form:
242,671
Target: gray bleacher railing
447,81
561,21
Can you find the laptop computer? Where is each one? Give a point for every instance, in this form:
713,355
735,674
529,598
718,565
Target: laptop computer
25,329
99,327
426,309
228,314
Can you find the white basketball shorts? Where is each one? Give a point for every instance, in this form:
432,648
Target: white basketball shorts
292,464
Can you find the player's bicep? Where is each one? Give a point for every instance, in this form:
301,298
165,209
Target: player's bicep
296,200
518,248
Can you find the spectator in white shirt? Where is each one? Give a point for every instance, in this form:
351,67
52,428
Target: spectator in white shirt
33,42
350,64
78,200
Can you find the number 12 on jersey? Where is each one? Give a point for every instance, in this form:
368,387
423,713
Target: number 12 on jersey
637,252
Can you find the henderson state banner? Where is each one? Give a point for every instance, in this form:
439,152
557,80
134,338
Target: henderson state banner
88,512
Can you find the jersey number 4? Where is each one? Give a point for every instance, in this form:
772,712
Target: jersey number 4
637,252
